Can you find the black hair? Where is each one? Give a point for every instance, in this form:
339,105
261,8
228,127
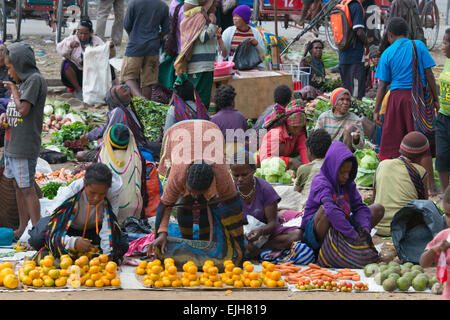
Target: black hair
224,96
318,143
310,45
398,27
185,90
199,176
447,195
447,33
86,22
282,95
243,157
98,173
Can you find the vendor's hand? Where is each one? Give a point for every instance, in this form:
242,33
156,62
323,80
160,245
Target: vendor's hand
436,105
3,120
356,135
84,139
254,235
160,241
253,41
9,85
83,245
443,246
376,119
219,33
74,44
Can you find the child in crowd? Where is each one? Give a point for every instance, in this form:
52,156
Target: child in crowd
334,200
4,94
286,135
341,124
439,244
317,146
83,215
372,82
401,180
23,121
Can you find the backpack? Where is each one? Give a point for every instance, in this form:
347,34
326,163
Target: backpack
153,188
342,26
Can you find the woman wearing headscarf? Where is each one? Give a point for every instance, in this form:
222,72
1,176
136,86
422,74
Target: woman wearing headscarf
235,35
286,135
340,123
72,50
314,61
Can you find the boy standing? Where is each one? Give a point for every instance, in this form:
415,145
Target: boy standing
146,22
23,122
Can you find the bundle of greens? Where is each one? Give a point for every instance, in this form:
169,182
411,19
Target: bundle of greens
330,59
367,164
363,107
153,116
50,190
320,107
330,84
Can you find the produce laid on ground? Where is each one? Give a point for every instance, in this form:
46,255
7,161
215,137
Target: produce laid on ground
96,272
8,278
154,275
58,114
273,170
367,165
50,183
153,116
405,277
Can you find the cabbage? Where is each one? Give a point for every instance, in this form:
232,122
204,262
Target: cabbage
286,178
272,178
364,178
48,109
258,173
273,166
369,162
367,165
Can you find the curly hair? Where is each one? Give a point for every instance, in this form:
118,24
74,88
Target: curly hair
310,44
224,97
282,95
199,176
318,143
98,173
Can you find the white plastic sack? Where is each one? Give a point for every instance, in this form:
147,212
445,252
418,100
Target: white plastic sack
254,224
96,74
43,166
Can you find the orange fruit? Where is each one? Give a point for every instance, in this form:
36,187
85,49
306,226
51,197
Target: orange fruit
140,271
275,275
83,260
172,277
167,282
105,280
253,276
238,284
214,278
218,284
75,269
236,277
38,282
192,276
229,282
148,282
47,262
76,283
185,282
169,261
96,276
94,262
34,274
192,269
94,269
226,262
89,283
54,273
249,267
255,283
49,282
271,283
26,280
27,268
65,263
99,283
156,262
159,284
103,258
83,279
61,282
229,267
63,273
6,264
247,282
176,283
115,282
194,283
270,267
30,263
110,275
6,271
208,283
213,270
10,281
154,276
280,283
143,264
156,269
237,270
172,269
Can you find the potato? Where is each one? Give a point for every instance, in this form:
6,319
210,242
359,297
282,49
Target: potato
54,123
52,117
59,118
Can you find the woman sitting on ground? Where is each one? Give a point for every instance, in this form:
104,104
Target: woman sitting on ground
286,135
259,200
72,50
314,61
83,216
233,36
401,180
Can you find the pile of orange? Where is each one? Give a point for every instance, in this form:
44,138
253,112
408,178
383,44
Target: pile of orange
98,272
7,276
210,275
189,276
156,275
271,277
240,277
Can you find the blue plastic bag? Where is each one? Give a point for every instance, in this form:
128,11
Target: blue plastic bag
6,236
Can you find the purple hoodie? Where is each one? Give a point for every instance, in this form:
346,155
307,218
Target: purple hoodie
325,187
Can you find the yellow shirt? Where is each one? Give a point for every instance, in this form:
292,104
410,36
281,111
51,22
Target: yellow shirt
394,189
444,89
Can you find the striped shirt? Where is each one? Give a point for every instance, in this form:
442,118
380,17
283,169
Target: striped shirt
238,37
335,125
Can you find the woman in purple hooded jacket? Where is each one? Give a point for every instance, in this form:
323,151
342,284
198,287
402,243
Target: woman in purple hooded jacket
334,197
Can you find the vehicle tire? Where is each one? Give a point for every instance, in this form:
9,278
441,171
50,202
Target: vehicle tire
18,18
329,34
59,20
429,18
3,21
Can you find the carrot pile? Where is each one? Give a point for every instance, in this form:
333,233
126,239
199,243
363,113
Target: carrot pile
61,175
294,275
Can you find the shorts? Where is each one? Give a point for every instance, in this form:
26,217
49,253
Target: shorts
22,170
309,236
442,136
144,69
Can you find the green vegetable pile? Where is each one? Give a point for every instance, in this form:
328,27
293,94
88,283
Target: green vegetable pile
330,84
273,170
363,107
320,108
50,190
367,164
153,116
330,59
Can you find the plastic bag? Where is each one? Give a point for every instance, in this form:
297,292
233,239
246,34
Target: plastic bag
97,77
135,225
254,224
441,271
246,56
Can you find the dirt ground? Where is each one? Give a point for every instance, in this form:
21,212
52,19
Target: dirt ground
49,64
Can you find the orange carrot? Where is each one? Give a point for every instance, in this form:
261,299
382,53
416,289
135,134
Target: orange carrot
314,266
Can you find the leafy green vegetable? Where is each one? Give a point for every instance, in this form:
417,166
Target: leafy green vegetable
271,178
286,178
330,59
320,108
50,190
70,132
331,84
153,116
363,107
367,164
273,166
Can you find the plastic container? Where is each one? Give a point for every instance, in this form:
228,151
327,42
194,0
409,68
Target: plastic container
223,69
6,236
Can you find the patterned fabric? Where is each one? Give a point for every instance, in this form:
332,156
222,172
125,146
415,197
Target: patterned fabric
299,253
337,94
415,178
338,251
239,37
227,242
183,112
293,114
422,103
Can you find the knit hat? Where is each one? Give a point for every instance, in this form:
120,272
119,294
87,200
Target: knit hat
243,11
120,136
414,145
337,94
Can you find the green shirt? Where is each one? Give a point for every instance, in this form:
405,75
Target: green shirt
302,174
444,89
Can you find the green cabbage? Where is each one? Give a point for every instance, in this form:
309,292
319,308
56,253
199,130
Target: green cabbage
286,178
369,162
273,166
364,178
272,178
258,173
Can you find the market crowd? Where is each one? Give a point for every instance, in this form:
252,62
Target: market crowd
219,195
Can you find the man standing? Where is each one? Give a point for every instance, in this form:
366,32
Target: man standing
351,60
104,8
146,22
